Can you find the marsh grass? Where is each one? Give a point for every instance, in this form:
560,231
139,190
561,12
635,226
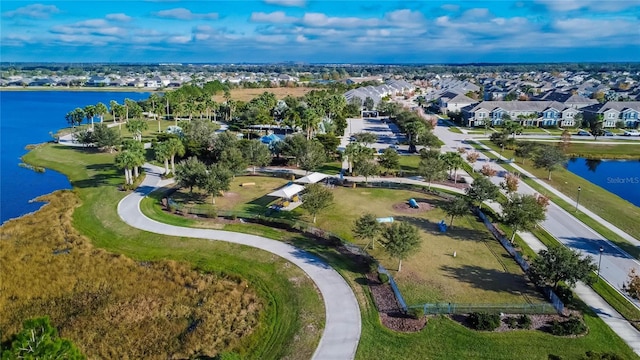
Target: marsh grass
291,308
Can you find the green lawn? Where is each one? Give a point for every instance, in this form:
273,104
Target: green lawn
294,316
609,206
441,338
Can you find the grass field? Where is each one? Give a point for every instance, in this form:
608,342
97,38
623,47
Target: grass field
441,338
248,94
432,274
292,319
609,206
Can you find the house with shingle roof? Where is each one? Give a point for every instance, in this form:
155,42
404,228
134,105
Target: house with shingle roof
454,102
527,113
627,112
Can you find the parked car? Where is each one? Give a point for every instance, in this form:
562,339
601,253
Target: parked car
608,133
631,133
583,133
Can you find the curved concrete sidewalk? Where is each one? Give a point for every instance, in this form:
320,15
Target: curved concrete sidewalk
342,323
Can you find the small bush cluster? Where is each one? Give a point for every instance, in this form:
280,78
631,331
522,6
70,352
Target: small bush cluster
416,313
384,278
520,322
572,326
484,321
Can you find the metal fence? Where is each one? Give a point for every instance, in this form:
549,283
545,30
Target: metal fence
551,295
451,308
447,308
394,287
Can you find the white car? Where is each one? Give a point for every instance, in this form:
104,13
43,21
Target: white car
631,133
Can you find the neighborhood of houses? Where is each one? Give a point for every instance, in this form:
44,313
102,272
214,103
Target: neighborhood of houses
535,98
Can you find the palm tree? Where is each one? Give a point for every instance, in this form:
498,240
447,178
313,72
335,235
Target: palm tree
90,113
163,154
101,111
175,148
454,161
126,160
113,105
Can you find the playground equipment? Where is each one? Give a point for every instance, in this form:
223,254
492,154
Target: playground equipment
442,226
385,219
413,203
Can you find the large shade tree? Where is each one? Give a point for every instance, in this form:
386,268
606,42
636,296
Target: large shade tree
316,198
456,207
217,180
549,158
191,173
255,153
561,264
522,212
482,190
367,227
400,240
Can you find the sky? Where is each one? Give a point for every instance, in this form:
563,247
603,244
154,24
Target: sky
319,31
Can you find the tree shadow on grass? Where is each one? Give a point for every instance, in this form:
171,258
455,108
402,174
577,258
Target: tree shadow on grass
491,279
103,174
455,232
336,256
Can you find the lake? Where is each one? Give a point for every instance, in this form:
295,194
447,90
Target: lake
27,117
621,177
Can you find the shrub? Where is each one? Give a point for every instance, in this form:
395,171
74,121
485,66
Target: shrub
212,213
572,326
416,313
384,278
233,216
484,321
524,321
512,322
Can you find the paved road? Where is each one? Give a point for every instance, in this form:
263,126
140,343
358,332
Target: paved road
342,324
565,227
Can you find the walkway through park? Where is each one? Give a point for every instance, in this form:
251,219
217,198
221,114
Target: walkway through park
342,314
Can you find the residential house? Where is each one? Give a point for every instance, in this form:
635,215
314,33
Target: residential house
527,113
98,81
612,112
568,99
452,102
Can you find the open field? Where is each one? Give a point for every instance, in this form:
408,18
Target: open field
291,321
443,338
248,94
440,339
609,206
432,274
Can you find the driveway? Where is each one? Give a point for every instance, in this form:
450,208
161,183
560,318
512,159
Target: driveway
342,323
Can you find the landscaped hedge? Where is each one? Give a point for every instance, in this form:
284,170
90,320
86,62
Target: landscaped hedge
484,321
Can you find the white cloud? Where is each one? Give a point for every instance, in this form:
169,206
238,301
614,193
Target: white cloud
185,14
296,3
405,18
596,5
118,17
276,17
476,13
99,27
322,20
35,11
179,39
271,39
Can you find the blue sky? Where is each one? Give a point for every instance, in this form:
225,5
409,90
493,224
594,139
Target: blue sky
320,31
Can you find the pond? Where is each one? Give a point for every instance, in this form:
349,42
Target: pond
621,177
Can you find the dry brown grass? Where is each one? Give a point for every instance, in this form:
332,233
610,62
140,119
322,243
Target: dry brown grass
110,305
248,94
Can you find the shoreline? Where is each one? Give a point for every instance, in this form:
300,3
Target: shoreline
81,89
